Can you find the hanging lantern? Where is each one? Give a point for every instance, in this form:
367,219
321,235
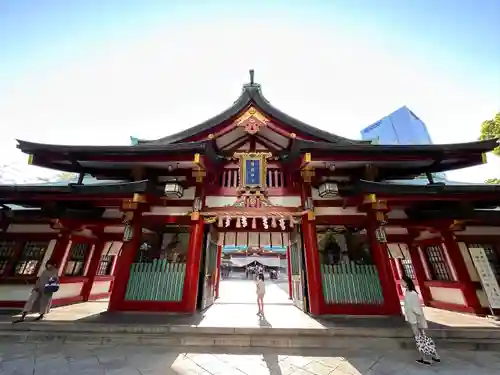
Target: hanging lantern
328,190
173,190
254,223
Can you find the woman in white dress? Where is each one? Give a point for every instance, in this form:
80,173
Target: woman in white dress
40,299
414,314
261,292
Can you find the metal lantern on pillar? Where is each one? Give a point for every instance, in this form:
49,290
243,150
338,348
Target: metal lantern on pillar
380,235
173,190
328,189
128,232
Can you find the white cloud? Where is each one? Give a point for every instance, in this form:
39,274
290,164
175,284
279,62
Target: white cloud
180,76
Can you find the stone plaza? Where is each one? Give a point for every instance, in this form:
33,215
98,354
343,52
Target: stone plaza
83,339
77,359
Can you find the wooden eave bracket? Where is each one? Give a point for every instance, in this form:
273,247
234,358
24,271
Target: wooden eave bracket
306,161
199,170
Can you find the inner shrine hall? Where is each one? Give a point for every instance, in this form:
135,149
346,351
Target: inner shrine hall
145,224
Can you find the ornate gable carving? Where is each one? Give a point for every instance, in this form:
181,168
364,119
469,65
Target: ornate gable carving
251,120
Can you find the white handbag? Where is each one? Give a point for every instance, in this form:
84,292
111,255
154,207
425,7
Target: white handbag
426,345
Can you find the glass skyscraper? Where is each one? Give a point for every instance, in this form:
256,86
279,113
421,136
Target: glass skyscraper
401,127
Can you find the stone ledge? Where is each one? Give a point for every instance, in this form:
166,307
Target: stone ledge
360,332
241,340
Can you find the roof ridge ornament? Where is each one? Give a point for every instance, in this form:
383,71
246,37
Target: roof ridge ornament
252,73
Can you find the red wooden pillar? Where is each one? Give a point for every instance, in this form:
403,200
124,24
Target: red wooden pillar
313,266
219,260
289,273
124,262
190,292
93,266
458,263
418,267
382,261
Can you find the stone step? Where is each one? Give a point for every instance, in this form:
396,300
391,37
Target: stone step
184,335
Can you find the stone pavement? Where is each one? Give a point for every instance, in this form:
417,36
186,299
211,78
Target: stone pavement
77,359
236,307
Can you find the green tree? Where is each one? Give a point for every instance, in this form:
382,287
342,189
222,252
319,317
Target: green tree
493,181
490,129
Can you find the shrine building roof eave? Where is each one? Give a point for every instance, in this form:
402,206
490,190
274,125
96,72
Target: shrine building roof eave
252,94
437,149
393,161
141,149
122,188
115,162
486,191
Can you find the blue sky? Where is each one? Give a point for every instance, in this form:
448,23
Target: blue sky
95,72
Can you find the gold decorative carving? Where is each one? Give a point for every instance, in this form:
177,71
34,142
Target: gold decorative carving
139,198
260,159
307,174
251,120
199,174
129,205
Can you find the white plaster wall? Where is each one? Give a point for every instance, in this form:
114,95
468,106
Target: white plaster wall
396,214
112,213
479,231
337,211
100,287
48,254
165,210
15,292
218,201
468,262
395,230
448,295
22,292
30,228
69,290
291,201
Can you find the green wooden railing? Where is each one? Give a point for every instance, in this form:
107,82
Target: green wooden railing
351,283
156,281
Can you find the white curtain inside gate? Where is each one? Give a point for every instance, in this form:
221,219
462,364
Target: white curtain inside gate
266,261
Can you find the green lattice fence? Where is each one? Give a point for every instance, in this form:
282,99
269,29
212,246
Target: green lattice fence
351,283
156,281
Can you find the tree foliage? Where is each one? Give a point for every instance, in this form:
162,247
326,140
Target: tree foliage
493,181
490,129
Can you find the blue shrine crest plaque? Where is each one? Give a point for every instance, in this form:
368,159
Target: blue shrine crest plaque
253,169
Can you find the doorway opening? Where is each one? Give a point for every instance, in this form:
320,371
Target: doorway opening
232,260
